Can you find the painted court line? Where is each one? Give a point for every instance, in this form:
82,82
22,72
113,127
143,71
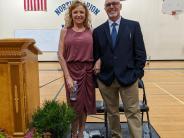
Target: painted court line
164,69
177,73
164,82
171,95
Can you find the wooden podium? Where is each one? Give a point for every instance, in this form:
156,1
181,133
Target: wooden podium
19,84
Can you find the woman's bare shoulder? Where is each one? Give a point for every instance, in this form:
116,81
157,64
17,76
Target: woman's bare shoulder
63,30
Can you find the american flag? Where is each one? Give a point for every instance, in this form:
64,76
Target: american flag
35,5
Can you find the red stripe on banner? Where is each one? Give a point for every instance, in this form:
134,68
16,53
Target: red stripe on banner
25,4
35,5
38,4
31,6
42,5
45,5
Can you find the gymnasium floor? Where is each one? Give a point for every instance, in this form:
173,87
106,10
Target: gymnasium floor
164,83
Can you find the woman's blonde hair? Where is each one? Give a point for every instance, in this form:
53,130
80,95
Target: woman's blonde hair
68,16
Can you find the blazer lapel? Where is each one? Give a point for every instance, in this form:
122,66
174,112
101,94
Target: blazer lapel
107,32
121,30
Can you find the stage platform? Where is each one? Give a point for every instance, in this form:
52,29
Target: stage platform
99,128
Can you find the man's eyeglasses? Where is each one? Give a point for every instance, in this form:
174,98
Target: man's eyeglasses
111,3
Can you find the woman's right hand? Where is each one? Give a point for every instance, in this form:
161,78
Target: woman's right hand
70,84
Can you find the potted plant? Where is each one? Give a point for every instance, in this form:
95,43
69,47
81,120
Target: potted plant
53,119
4,134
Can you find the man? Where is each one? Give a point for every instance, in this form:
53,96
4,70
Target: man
120,58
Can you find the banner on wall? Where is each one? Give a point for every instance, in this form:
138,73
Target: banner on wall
47,39
172,6
35,5
64,6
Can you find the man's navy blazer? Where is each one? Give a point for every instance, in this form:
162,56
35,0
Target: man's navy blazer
126,60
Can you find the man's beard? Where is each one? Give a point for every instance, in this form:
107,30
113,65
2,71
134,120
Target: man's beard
113,14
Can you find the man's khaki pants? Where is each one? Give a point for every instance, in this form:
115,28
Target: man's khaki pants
130,99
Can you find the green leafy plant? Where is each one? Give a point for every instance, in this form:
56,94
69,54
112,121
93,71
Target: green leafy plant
53,117
1,135
4,133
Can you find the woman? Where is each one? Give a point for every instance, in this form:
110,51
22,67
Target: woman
76,59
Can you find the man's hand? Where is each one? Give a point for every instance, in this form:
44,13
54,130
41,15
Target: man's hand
97,66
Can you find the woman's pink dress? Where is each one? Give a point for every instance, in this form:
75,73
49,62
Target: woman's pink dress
78,53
